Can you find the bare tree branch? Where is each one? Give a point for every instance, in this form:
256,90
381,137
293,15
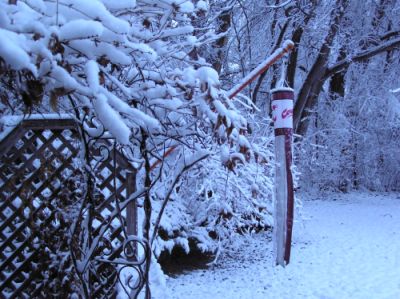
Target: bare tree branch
185,168
362,56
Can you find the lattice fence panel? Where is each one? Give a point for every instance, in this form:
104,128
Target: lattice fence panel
41,187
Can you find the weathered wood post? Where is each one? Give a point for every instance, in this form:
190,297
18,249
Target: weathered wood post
282,114
131,210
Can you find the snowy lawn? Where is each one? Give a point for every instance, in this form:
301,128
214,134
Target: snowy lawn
347,246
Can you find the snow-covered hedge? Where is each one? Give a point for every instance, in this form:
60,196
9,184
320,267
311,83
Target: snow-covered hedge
212,204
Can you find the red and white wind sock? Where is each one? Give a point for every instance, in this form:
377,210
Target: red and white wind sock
282,113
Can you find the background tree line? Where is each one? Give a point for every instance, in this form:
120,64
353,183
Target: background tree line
343,68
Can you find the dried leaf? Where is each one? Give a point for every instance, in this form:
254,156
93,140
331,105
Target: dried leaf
229,130
102,78
55,46
35,90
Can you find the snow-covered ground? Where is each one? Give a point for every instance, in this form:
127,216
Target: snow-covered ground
345,246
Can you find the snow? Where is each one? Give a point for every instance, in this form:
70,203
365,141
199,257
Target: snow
11,121
177,31
111,120
66,80
120,4
189,75
172,104
202,5
38,4
281,89
92,75
346,246
208,75
93,50
186,6
224,154
11,50
135,115
80,29
280,5
96,10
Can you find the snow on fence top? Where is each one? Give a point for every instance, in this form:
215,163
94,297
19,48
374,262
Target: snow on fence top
9,122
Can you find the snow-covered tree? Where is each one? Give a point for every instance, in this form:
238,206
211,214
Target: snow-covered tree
359,71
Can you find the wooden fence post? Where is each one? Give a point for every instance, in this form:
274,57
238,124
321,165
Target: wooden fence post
282,113
131,210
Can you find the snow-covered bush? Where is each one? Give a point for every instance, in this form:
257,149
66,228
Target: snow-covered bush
212,204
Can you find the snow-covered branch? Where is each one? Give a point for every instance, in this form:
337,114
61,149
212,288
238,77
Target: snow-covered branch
363,56
187,163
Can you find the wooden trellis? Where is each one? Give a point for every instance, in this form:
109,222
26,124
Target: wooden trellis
42,182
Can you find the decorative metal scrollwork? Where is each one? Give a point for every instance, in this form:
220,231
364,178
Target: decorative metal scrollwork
136,251
119,258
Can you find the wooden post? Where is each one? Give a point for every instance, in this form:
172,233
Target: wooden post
131,210
282,113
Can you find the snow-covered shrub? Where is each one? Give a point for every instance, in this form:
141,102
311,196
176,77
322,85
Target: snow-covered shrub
212,204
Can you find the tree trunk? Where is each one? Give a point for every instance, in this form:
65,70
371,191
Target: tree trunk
292,63
337,84
224,23
296,39
312,86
